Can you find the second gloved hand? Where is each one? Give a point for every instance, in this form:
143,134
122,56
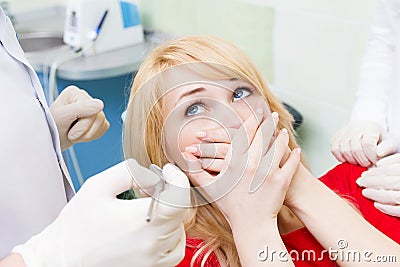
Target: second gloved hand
78,116
96,229
382,185
363,143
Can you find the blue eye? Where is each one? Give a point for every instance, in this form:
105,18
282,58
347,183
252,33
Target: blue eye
195,109
240,93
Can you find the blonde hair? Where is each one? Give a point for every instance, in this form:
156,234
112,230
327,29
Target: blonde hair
142,133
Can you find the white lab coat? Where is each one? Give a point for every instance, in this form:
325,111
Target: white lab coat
378,95
34,181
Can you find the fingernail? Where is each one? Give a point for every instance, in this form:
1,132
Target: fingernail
191,149
201,134
298,150
284,130
358,182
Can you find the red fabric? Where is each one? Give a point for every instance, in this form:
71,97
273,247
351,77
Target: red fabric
341,179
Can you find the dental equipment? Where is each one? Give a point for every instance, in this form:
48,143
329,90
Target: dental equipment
160,186
118,21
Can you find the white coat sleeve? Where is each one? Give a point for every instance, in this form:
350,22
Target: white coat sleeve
377,66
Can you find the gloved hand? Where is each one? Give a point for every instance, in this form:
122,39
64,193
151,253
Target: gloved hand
382,185
96,229
78,116
363,143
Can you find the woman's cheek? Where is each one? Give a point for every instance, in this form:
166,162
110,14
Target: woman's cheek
187,138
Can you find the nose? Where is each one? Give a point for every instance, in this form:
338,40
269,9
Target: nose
233,119
232,115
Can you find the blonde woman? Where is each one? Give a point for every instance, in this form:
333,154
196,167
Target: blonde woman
179,110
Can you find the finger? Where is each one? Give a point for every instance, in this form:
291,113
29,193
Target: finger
384,170
380,182
176,251
335,146
83,109
74,93
244,136
281,145
121,177
212,165
209,150
387,146
289,168
270,161
169,206
392,210
374,172
275,119
176,195
97,130
369,143
267,129
389,160
358,152
195,171
206,190
81,127
218,135
382,196
141,177
173,175
345,149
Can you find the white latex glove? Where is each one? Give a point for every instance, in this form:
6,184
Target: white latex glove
97,229
382,185
363,143
78,116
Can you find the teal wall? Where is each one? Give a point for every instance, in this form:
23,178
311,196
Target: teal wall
251,27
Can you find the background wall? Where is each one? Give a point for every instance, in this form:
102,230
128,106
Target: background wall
308,50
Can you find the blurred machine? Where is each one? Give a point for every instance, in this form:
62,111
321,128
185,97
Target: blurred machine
97,26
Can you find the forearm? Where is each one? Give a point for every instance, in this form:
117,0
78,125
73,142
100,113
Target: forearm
12,260
261,246
331,219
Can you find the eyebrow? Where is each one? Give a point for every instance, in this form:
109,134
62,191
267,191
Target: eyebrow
200,89
191,92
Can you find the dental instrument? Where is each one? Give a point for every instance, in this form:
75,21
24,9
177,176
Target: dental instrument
160,186
118,20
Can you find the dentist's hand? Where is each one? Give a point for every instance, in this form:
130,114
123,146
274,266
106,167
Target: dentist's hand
97,229
78,116
382,185
363,143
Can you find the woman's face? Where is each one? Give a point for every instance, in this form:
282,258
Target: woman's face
201,105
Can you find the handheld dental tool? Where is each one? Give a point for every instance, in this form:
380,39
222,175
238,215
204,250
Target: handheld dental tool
157,191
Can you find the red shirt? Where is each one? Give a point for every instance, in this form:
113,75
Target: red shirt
341,179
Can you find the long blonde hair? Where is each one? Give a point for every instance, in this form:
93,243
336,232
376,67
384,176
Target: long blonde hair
142,133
